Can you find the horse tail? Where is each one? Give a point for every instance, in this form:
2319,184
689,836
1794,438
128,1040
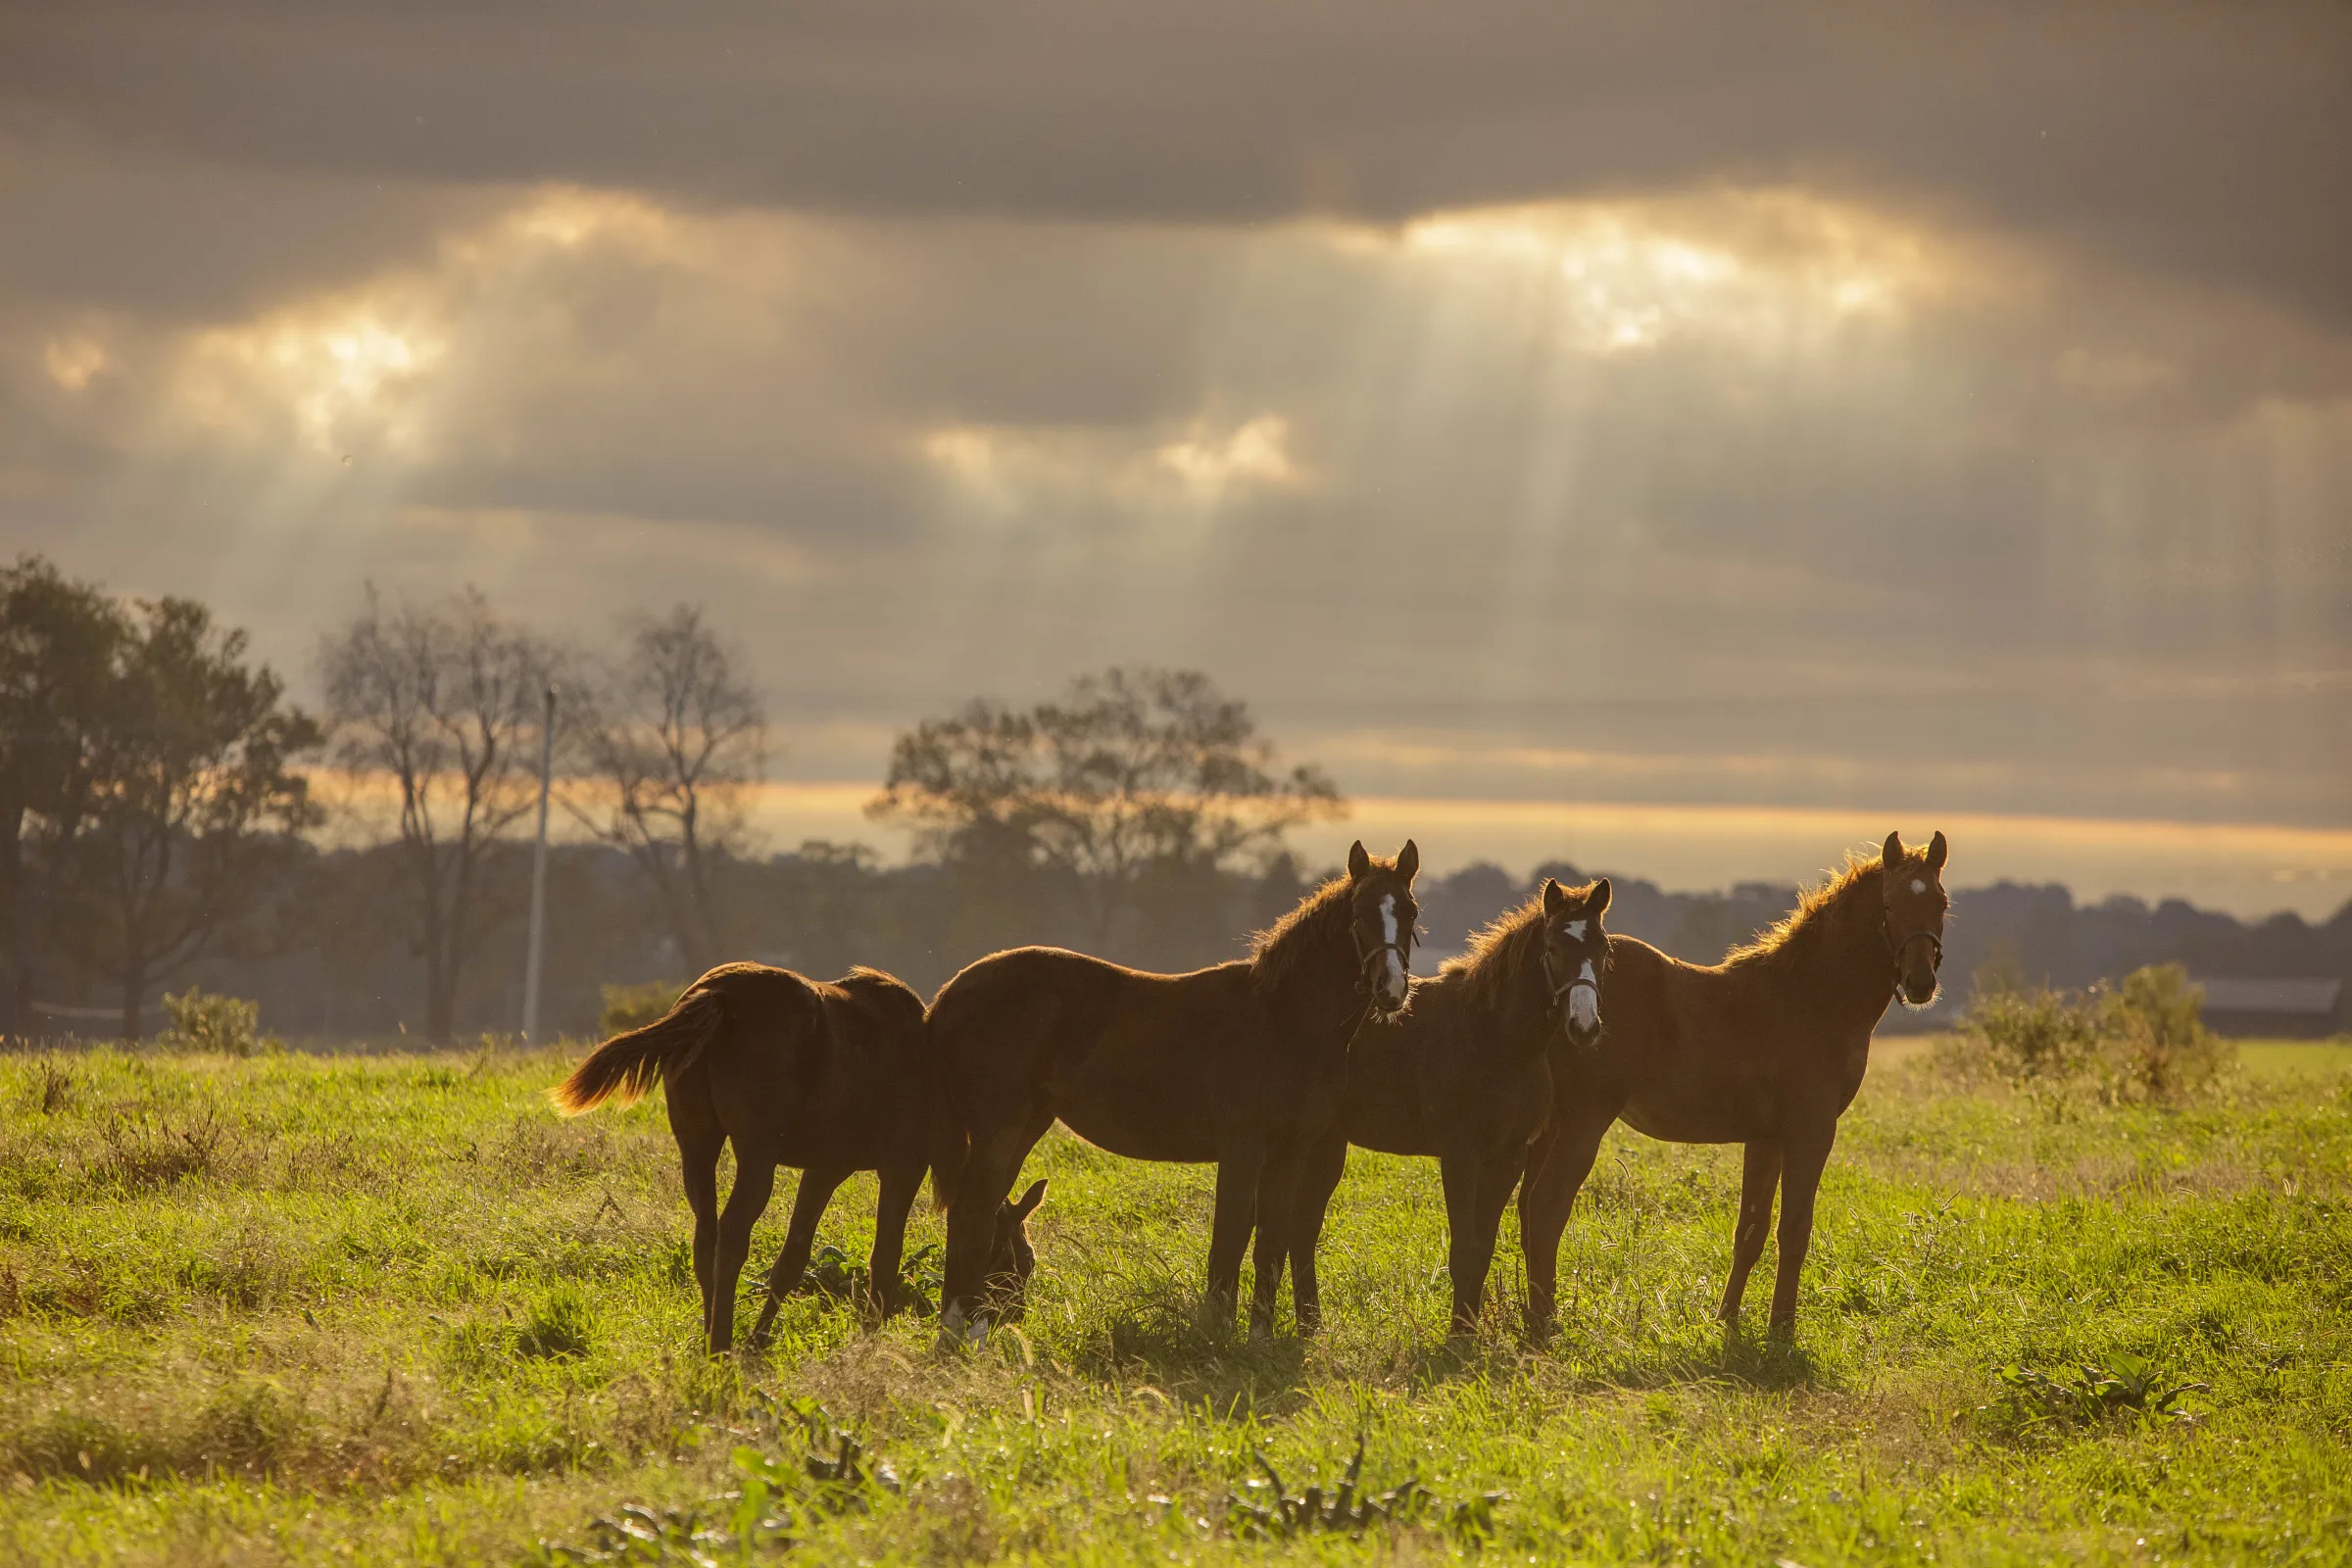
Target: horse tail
626,1066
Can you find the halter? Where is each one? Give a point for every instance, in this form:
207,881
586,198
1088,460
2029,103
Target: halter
1557,991
1895,950
1368,956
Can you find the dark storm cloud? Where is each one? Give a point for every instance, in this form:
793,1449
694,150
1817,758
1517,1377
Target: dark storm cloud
2207,140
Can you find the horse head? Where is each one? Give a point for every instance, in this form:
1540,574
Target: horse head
1011,1258
1912,907
1381,916
1576,957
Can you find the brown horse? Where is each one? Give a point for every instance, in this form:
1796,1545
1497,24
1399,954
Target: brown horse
1464,1075
830,1077
1239,1064
1766,1049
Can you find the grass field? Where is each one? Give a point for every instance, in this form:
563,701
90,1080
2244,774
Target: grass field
391,1310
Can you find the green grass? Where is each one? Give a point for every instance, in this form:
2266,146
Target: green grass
392,1309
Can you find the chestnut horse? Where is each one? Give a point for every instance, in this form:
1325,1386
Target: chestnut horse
830,1077
1766,1049
1464,1075
1239,1064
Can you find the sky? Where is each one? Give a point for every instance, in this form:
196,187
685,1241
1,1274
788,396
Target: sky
1688,440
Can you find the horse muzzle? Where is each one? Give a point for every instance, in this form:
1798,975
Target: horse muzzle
1580,1015
1919,988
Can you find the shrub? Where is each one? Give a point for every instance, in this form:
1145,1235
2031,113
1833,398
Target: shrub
629,1008
2142,1040
204,1021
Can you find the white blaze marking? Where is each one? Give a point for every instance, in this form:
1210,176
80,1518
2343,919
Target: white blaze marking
1584,998
1576,930
1395,972
1918,886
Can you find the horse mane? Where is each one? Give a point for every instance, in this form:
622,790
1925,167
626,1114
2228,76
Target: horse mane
1497,956
1281,948
1805,927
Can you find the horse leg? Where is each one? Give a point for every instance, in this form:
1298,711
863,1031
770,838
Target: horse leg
1556,1170
1759,1176
1326,1162
808,1201
701,1141
988,1175
1229,1231
754,1180
899,1185
1277,1223
1497,1176
1460,1176
1804,1153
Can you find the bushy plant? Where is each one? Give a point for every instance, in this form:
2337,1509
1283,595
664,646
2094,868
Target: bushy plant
2142,1040
629,1008
203,1021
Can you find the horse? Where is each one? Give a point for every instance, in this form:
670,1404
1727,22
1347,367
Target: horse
1239,1064
828,1076
1464,1074
1765,1049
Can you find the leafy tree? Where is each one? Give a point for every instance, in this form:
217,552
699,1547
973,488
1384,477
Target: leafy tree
446,703
58,644
674,733
1134,775
193,801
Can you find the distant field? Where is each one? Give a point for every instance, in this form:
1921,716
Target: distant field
2296,1058
391,1310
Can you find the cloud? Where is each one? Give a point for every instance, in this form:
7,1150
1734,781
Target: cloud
2202,143
1751,495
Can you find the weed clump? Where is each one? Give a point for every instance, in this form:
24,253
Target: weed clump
2142,1040
555,1325
203,1021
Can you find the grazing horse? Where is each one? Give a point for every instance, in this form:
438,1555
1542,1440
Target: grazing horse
1239,1064
826,1076
1766,1049
1464,1075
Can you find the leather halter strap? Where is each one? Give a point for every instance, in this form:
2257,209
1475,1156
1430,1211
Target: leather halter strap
1369,953
1895,950
1558,989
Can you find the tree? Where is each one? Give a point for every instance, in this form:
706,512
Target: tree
673,734
192,802
59,640
445,705
1134,775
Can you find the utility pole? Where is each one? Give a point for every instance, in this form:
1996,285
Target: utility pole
530,968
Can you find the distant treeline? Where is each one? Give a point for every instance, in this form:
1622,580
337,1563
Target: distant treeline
344,971
160,828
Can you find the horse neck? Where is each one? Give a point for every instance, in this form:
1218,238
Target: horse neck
1512,1010
1844,968
1323,965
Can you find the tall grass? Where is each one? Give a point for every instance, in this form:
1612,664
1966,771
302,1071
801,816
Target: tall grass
390,1309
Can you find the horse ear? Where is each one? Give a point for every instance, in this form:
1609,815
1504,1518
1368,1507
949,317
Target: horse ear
1026,1205
1555,896
1600,898
1358,862
1892,855
1408,861
1936,849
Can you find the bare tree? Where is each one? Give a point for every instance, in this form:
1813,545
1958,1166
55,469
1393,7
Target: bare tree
445,705
1133,771
673,734
193,804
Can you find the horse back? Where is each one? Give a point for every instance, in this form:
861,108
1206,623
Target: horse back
822,1072
1153,1067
